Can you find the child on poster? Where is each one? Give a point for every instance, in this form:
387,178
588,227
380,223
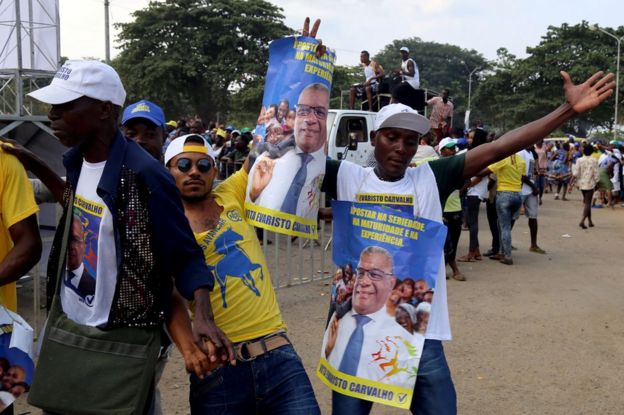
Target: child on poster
283,190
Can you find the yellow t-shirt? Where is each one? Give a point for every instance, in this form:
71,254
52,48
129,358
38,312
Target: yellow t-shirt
17,202
453,202
243,299
509,172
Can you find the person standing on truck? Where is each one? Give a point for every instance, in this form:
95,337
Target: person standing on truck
441,114
407,91
373,73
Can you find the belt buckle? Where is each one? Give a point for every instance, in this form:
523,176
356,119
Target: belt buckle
239,352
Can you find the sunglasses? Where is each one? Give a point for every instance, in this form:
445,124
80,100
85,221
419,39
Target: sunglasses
185,164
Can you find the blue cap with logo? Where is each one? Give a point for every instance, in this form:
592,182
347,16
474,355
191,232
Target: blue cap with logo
144,109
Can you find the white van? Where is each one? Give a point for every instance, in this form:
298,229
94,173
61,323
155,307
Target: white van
348,132
348,136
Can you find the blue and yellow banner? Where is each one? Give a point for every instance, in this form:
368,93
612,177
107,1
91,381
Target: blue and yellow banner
381,300
284,183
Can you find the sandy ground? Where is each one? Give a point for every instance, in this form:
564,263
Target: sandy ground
544,336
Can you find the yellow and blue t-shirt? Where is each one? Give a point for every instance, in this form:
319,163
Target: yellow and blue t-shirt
243,299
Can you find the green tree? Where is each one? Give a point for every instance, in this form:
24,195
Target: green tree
521,90
344,77
190,56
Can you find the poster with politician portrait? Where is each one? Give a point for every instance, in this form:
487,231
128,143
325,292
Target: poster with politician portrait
283,190
387,261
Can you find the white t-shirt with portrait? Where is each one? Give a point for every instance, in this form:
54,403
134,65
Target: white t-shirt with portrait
87,290
418,192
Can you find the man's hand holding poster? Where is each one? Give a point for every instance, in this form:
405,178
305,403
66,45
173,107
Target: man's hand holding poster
381,298
283,191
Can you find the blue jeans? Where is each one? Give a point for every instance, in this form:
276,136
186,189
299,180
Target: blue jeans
507,206
274,383
434,392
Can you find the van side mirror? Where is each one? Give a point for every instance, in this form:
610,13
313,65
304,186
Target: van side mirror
353,141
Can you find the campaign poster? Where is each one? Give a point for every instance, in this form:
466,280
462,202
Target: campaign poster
382,291
284,186
82,252
16,363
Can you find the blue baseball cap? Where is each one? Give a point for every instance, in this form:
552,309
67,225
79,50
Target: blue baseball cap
144,109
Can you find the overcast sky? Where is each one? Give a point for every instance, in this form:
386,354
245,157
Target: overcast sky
353,25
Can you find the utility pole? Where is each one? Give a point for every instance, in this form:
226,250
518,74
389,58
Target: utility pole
107,31
617,76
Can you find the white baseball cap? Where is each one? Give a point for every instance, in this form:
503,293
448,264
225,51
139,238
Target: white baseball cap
404,49
447,142
401,116
82,78
179,146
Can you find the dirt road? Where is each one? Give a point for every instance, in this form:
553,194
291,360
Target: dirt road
544,336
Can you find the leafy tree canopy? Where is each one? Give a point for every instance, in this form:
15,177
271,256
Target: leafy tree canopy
191,55
521,90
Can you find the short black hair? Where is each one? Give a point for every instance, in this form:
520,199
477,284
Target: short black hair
365,52
588,150
195,139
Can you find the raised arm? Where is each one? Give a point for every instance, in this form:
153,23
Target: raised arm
579,99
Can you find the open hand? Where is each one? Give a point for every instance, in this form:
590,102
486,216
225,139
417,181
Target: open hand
332,335
583,97
262,175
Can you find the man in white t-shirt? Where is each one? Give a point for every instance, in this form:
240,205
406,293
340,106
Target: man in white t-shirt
395,137
373,74
136,236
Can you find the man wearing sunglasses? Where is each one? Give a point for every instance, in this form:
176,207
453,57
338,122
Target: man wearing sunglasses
369,320
268,376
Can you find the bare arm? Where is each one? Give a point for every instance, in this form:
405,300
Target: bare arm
410,69
579,99
181,332
25,253
205,328
37,166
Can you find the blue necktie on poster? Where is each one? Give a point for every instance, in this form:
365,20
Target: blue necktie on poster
292,197
351,356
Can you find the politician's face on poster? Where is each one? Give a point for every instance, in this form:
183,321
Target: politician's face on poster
311,118
374,281
284,184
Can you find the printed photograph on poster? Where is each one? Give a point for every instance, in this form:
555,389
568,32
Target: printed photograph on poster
283,190
82,250
380,302
16,364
